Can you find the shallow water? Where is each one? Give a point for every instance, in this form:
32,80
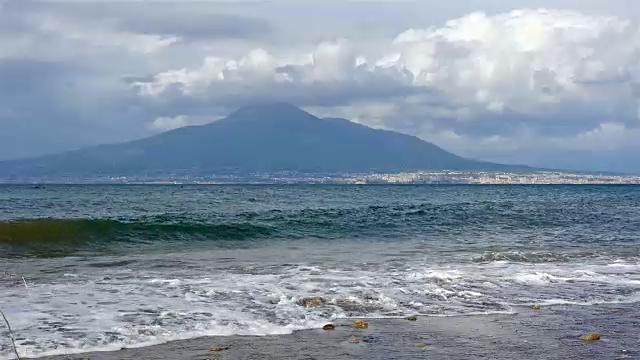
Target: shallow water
114,266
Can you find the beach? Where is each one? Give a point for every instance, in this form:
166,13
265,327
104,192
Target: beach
549,333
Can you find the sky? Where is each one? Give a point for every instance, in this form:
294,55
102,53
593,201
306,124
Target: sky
545,83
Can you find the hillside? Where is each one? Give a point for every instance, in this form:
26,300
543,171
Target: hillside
262,138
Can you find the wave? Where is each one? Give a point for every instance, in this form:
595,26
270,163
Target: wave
52,237
420,220
521,257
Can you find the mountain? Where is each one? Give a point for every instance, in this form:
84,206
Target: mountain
262,138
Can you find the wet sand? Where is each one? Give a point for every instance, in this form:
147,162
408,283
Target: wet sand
549,333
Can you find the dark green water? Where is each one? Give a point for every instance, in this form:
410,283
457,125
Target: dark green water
109,266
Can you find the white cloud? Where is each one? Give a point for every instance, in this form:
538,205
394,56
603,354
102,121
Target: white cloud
528,60
542,63
607,136
331,62
164,123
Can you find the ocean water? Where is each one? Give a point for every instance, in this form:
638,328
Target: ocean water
115,266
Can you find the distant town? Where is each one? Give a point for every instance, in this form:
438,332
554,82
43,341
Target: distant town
420,177
185,177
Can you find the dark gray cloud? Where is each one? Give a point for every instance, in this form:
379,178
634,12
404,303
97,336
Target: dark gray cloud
51,106
494,86
188,20
198,26
596,160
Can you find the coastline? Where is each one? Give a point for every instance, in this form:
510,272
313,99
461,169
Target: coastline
549,333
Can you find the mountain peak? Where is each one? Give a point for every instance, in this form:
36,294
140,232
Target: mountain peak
269,111
270,106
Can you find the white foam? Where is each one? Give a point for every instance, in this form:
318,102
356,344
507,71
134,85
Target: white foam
537,278
470,294
170,282
148,307
621,300
257,328
439,276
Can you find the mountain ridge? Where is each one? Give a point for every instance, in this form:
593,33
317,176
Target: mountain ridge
264,138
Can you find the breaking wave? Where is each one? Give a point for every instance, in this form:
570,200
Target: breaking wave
51,237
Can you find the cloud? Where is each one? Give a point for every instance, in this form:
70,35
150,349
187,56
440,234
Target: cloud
330,74
162,124
168,123
62,80
196,25
547,71
193,21
36,34
496,85
527,61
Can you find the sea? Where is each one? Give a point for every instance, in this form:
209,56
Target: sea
101,267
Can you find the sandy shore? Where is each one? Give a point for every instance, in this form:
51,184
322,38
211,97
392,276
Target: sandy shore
549,333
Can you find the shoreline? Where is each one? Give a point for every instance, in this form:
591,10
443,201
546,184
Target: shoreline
549,333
